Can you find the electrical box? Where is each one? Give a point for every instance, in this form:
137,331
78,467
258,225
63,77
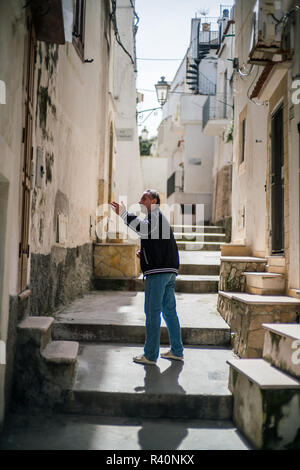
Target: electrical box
265,33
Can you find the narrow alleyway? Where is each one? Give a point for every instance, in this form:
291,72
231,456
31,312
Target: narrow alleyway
117,404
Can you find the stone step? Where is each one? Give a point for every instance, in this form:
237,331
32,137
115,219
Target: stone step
200,263
235,249
37,329
276,261
200,269
276,264
282,347
109,383
198,246
199,228
119,317
245,313
264,283
266,404
49,431
207,238
61,352
46,368
184,283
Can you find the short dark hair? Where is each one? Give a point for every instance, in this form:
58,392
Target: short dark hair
153,195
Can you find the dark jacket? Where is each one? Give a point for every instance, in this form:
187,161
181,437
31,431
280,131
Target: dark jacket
159,252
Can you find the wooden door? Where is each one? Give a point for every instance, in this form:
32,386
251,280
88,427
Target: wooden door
277,182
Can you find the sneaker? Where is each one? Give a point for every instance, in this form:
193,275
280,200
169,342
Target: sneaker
143,360
170,355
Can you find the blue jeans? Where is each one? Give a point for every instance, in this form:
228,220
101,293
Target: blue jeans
160,297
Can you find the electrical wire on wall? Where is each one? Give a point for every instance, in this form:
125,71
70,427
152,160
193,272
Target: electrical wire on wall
113,18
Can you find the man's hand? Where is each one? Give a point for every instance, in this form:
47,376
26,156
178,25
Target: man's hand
138,253
118,207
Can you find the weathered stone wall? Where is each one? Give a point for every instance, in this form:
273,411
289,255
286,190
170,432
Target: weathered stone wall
59,277
246,319
231,274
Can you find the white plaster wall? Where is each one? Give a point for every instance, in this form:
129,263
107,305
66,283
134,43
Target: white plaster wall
248,180
154,171
294,193
75,135
12,31
198,178
128,174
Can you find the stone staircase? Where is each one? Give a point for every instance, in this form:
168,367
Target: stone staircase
267,390
199,237
252,291
109,325
45,369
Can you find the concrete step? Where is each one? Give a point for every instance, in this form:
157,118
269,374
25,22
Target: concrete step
276,264
265,283
245,314
200,237
199,262
61,352
109,383
198,245
184,283
235,249
200,269
54,431
199,228
282,347
46,368
37,329
276,260
266,404
119,317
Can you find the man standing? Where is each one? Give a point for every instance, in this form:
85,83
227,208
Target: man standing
159,262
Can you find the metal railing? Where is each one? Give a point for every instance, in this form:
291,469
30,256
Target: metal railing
215,108
205,85
175,182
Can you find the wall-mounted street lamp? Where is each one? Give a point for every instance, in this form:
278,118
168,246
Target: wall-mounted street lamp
162,91
145,134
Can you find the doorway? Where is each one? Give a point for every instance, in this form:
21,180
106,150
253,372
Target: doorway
277,182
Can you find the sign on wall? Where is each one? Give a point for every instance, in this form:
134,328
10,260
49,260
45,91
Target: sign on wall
125,134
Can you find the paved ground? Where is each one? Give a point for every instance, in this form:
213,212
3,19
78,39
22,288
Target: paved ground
106,372
68,432
110,368
126,307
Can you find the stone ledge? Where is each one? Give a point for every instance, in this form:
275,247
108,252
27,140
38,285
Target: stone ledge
61,352
260,299
290,330
36,323
263,374
244,259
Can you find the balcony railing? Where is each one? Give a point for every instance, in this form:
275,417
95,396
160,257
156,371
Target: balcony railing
215,109
206,86
175,182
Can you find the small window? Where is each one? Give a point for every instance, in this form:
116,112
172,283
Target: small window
78,28
243,140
